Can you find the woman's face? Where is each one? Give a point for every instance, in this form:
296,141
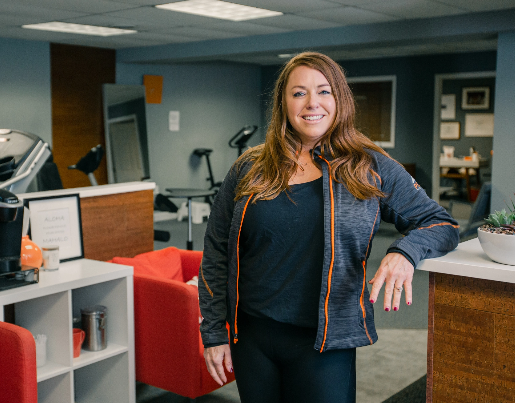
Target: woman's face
310,104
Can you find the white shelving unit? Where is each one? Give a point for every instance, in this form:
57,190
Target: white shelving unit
49,307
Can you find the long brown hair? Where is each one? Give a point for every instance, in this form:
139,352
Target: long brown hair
275,161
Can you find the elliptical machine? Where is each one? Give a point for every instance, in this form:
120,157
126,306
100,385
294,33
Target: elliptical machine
239,141
89,163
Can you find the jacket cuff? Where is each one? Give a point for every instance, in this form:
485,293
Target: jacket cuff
215,344
397,250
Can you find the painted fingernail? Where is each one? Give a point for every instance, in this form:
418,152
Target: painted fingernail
387,309
372,301
230,370
409,302
395,308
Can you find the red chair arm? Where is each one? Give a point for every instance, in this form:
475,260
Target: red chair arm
190,260
166,322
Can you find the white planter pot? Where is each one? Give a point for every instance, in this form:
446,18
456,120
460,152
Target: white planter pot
499,247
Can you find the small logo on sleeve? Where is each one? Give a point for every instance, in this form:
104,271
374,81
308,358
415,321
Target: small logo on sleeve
415,184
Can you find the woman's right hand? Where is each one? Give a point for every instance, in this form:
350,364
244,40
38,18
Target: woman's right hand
215,358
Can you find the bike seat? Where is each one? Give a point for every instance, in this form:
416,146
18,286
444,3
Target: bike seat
202,151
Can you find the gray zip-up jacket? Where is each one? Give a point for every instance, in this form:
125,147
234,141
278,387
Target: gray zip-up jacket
346,317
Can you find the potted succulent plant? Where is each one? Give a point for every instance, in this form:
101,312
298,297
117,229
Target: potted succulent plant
497,237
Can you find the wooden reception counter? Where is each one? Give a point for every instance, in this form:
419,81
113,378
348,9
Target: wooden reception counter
471,327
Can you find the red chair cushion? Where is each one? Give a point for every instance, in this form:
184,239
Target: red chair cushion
163,263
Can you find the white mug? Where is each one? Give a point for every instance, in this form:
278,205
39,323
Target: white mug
50,257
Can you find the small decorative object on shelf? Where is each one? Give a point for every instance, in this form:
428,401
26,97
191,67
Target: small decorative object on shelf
30,253
497,237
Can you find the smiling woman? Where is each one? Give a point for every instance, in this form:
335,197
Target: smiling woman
287,242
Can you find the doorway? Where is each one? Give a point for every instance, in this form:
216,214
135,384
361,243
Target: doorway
458,115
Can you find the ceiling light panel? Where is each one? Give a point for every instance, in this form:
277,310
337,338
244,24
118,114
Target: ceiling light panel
79,29
219,9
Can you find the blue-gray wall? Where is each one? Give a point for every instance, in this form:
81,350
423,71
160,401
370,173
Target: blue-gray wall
415,98
25,96
214,101
503,169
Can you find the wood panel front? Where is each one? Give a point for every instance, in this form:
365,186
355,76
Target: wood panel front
117,225
471,343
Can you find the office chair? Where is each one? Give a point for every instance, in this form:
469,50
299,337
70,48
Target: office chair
18,371
480,210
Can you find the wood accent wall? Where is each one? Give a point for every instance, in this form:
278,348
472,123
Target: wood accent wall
77,75
471,343
117,225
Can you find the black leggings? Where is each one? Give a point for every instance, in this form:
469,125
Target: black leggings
276,363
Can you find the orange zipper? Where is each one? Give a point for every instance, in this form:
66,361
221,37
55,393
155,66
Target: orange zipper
238,273
365,278
332,256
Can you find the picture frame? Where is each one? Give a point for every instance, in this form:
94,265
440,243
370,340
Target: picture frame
450,130
56,220
475,98
375,99
448,107
479,125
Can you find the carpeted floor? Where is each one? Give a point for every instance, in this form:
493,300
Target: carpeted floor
414,393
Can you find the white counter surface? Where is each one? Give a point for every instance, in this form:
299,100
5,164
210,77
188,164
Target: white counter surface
91,191
469,260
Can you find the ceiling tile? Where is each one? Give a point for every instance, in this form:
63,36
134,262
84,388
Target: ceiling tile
245,28
162,18
413,8
199,33
294,22
480,5
288,6
348,16
89,6
15,9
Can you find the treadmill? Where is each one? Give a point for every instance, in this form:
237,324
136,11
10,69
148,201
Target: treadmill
22,156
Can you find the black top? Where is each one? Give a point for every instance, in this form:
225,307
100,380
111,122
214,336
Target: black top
281,256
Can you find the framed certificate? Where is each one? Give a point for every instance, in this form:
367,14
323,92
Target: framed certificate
57,221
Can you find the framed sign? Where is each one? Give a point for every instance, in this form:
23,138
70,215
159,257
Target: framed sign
450,130
479,125
57,221
448,111
375,99
475,98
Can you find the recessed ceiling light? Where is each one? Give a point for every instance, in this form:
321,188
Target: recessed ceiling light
219,9
285,55
79,29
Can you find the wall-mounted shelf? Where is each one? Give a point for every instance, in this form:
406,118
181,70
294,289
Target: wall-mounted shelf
49,307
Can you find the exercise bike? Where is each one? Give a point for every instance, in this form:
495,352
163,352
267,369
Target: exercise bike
239,141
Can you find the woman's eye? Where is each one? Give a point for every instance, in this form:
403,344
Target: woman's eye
298,94
325,92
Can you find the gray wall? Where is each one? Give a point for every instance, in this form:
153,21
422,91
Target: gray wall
415,95
503,169
483,145
25,96
214,101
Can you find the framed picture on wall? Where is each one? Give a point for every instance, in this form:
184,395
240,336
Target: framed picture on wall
448,111
475,98
479,124
57,221
375,107
450,130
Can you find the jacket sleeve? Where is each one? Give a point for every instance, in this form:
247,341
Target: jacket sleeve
213,272
429,231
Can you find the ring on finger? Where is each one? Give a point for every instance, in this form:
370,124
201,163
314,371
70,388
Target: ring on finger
398,289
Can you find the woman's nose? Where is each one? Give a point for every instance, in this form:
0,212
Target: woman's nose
312,102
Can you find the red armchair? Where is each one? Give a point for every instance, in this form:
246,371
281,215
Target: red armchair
169,350
18,371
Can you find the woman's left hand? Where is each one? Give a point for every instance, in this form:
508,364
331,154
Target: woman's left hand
395,272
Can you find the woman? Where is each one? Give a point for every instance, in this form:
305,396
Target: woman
288,238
